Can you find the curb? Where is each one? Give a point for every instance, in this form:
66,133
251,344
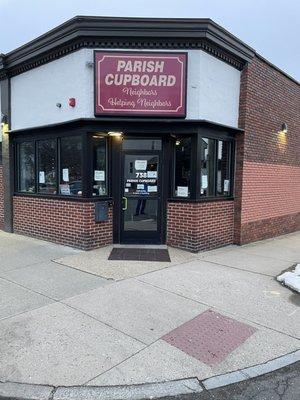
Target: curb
251,372
26,391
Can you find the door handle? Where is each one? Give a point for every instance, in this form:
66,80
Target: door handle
125,203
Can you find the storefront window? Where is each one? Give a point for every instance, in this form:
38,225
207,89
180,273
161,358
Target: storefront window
46,155
182,167
99,166
207,164
71,166
26,170
223,168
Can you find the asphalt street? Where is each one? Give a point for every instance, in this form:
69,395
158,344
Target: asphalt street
283,384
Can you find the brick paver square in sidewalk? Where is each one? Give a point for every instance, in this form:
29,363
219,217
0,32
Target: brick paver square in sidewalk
210,337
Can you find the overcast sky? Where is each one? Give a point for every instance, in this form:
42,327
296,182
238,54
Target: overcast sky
271,27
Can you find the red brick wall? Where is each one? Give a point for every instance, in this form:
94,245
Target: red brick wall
270,191
267,187
1,198
200,226
61,221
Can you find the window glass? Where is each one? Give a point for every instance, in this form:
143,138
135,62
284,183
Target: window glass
99,166
182,167
71,166
141,175
207,167
46,155
26,162
223,172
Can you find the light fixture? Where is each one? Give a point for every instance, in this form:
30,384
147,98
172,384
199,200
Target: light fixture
177,143
98,137
115,134
282,137
284,127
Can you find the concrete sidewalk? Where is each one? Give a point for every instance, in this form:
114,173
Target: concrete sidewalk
73,318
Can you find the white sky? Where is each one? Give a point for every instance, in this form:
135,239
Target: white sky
271,27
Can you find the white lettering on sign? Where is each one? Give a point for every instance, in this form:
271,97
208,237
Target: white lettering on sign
140,66
142,83
137,80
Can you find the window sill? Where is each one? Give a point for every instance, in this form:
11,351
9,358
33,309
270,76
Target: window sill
202,200
64,198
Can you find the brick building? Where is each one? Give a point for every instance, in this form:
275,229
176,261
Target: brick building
134,130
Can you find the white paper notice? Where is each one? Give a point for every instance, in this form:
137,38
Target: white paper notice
140,165
65,189
152,189
182,191
41,177
128,184
151,174
126,190
66,174
140,186
204,181
226,185
99,175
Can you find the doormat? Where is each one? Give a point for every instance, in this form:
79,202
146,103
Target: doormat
135,254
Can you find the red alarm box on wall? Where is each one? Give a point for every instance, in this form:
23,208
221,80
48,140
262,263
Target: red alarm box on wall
72,102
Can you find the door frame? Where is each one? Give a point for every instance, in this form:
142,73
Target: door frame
158,237
117,157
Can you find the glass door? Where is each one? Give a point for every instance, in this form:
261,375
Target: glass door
141,195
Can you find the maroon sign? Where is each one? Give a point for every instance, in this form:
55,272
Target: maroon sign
140,83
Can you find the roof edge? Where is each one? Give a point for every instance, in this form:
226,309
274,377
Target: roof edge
277,68
85,31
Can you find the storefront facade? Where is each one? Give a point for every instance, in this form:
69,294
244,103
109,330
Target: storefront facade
147,131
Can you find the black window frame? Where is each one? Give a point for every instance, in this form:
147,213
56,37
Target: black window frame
86,165
90,165
196,151
17,167
168,134
191,185
60,166
37,166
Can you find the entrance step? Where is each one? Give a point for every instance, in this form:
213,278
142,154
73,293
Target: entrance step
140,246
128,253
